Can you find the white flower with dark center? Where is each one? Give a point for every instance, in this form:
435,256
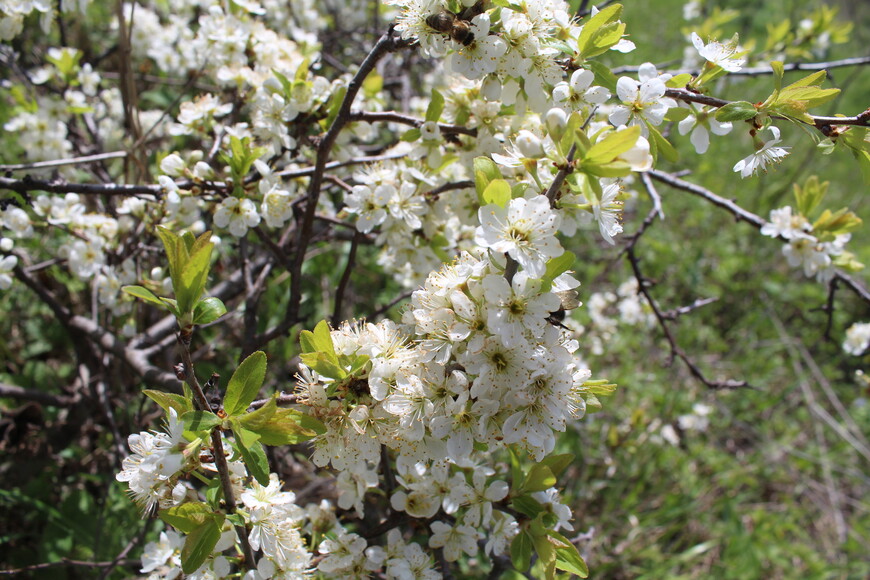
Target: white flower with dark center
577,93
454,540
370,204
237,215
785,225
525,230
517,308
766,155
719,54
642,101
698,124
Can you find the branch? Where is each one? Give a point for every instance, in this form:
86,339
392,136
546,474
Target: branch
765,69
675,349
394,117
61,162
27,183
820,123
14,392
386,44
747,216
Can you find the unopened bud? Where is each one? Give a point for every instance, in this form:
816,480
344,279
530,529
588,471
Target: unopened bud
556,120
530,145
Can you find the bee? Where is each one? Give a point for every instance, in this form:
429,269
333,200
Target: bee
450,24
569,302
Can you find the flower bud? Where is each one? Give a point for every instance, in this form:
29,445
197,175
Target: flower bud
491,88
530,145
556,120
173,165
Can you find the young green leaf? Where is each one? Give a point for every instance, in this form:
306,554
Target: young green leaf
245,383
252,452
143,294
521,551
199,544
289,427
187,516
568,559
498,192
539,478
208,310
436,106
485,170
200,421
736,111
170,401
662,145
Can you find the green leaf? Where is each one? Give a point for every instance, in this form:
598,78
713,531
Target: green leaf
200,420
498,192
208,310
810,195
245,383
187,516
736,111
411,135
199,545
521,551
662,145
612,146
546,552
174,253
603,75
436,106
256,419
323,364
679,81
539,478
289,427
170,401
485,170
556,267
144,294
194,275
527,505
558,463
252,453
568,559
778,72
594,34
373,84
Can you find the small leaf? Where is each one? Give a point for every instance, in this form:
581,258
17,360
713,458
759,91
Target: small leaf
208,310
612,146
252,452
558,463
200,421
662,145
143,294
411,135
539,478
245,383
568,559
256,419
187,516
521,551
736,111
498,192
436,106
199,545
679,81
321,363
556,267
289,427
170,401
527,505
485,170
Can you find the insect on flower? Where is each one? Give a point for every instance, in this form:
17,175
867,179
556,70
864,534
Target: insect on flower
456,26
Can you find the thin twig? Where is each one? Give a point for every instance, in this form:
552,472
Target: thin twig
61,162
345,279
